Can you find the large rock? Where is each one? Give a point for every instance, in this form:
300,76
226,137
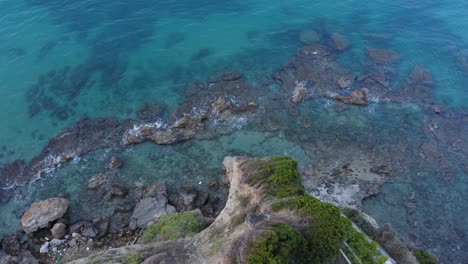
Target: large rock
149,209
40,214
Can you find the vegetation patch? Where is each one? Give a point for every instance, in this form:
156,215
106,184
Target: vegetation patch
281,177
283,244
325,231
425,257
135,258
171,227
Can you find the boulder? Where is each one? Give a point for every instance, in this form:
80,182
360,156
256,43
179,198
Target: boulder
339,42
309,36
383,56
59,230
40,214
149,209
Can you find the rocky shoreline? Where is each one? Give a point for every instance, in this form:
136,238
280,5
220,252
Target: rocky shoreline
48,236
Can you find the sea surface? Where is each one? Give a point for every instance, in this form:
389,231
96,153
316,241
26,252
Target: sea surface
63,60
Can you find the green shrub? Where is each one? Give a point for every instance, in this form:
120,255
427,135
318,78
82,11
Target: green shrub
424,257
135,258
281,177
283,244
171,227
325,230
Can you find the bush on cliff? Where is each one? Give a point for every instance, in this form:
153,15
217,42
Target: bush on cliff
283,244
424,257
280,176
171,227
325,230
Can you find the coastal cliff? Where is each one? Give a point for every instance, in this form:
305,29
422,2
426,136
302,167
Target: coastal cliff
268,218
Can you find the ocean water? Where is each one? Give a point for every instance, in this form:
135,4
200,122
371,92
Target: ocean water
62,60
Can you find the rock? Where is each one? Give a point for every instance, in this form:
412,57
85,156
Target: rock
157,189
149,209
102,226
58,230
382,56
44,248
339,42
89,231
343,83
300,92
56,242
253,219
40,214
11,245
309,37
26,258
188,195
97,181
73,243
116,190
419,75
114,163
213,185
201,199
357,97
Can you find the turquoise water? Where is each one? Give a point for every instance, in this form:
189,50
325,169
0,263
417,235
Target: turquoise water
61,60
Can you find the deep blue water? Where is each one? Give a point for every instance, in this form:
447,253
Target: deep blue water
61,60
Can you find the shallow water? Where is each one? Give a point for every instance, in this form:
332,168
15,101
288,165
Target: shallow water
63,60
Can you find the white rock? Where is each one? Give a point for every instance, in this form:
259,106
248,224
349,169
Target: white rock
44,248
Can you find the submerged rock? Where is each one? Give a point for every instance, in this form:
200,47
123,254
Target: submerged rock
114,163
357,97
383,56
40,214
309,36
339,42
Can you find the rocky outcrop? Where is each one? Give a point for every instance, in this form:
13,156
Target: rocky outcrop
40,214
217,106
152,204
148,210
87,135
